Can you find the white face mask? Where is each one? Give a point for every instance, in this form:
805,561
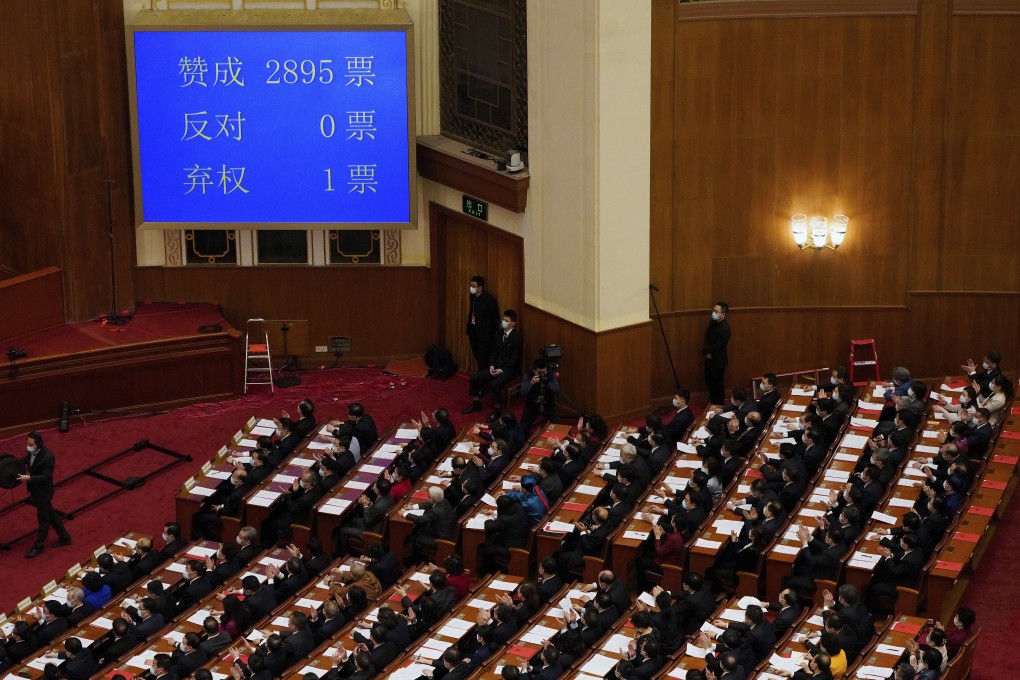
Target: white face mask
239,542
504,324
985,365
763,386
676,403
910,393
833,381
716,316
31,449
166,536
473,290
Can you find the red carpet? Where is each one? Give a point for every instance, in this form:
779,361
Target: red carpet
197,430
151,321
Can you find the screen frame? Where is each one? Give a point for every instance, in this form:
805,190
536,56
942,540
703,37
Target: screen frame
256,21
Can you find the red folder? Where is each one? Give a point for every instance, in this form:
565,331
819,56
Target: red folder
522,651
969,538
991,484
948,566
1008,460
753,474
981,510
1009,434
576,507
538,451
907,627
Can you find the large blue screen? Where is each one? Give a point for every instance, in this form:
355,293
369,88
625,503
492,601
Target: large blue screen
273,126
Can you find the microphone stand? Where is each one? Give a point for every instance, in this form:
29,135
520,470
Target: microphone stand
669,355
114,318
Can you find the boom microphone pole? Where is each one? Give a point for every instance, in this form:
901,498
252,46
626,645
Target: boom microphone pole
652,290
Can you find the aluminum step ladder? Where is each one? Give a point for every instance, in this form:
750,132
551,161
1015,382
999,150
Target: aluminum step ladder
868,358
258,363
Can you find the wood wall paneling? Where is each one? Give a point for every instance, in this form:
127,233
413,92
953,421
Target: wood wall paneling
464,247
389,312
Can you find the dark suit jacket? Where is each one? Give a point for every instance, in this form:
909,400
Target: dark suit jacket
374,515
174,547
438,520
118,648
119,578
507,351
186,664
147,563
144,629
549,587
366,432
785,619
81,667
298,645
511,530
79,614
767,404
261,602
299,503
40,483
679,425
215,644
195,591
48,632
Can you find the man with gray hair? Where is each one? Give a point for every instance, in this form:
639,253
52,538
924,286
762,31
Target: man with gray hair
432,520
247,544
640,473
77,609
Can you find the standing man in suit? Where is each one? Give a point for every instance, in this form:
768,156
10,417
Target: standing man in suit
717,336
482,321
39,465
504,366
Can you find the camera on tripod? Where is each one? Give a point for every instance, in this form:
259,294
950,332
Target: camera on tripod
551,354
15,354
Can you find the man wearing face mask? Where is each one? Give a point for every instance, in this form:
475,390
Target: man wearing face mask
39,465
482,321
504,365
717,336
986,372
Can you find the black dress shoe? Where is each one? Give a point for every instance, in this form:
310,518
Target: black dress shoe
36,550
61,542
473,408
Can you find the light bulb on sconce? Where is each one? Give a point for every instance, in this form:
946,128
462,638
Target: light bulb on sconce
824,233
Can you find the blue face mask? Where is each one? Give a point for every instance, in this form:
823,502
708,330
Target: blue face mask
504,324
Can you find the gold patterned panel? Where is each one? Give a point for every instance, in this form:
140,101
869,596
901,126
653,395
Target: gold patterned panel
172,243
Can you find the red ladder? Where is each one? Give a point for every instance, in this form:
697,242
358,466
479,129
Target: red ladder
871,360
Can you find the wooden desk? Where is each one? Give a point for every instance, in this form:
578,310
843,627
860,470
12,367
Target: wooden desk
705,547
472,525
190,497
882,652
329,513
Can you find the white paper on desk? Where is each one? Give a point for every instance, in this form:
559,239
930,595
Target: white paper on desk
743,488
420,577
199,617
306,602
103,622
477,522
864,566
202,491
272,561
895,502
328,509
263,430
218,676
285,479
339,502
802,392
261,501
686,448
503,585
588,489
372,469
530,467
946,388
218,474
480,603
383,457
318,672
619,440
489,500
811,512
303,462
414,513
248,444
463,447
907,481
266,493
429,653
40,662
508,486
876,672
687,463
462,624
846,457
406,433
677,482
939,415
701,433
792,407
558,527
617,643
450,631
854,441
635,535
787,549
358,486
732,615
866,557
85,642
914,472
878,391
536,635
318,446
177,567
784,440
783,664
610,456
889,649
599,665
837,475
242,459
389,448
436,479
410,672
434,643
141,660
925,448
864,422
710,629
705,543
656,500
930,434
869,405
695,652
727,526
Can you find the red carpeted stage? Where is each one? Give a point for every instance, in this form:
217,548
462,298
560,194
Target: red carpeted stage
158,360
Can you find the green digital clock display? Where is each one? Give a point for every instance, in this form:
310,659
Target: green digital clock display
476,208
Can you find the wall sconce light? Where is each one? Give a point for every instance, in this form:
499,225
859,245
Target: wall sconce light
818,232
